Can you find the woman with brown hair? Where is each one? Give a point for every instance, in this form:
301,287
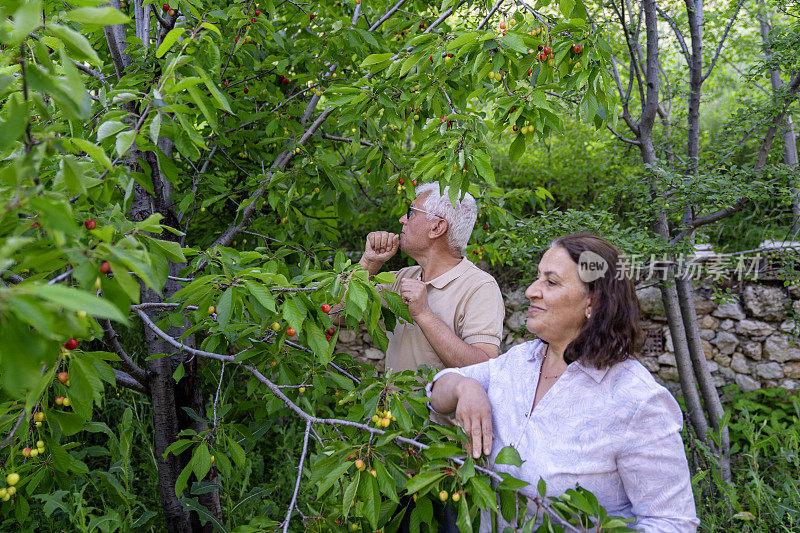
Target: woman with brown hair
575,403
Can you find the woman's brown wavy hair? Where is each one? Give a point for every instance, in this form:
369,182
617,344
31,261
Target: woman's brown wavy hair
611,333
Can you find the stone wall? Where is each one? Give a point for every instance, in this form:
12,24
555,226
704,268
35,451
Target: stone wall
750,340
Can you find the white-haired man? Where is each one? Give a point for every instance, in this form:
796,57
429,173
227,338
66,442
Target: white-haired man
457,308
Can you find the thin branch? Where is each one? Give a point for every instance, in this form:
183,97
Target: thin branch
356,13
722,41
299,477
386,15
345,139
127,381
679,35
489,14
709,219
216,396
60,277
14,429
621,138
110,337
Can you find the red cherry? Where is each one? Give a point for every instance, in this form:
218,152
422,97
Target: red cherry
258,12
530,72
401,181
514,127
326,308
540,48
105,268
225,83
246,90
165,7
577,48
285,80
546,50
290,331
485,227
331,331
312,16
414,182
328,336
71,344
236,40
476,252
431,59
90,224
542,57
63,377
422,25
252,20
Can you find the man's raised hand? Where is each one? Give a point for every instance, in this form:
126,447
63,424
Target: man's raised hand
381,246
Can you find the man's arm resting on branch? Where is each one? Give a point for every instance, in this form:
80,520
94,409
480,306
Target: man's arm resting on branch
453,351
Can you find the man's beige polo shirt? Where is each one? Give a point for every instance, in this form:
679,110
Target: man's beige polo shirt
465,298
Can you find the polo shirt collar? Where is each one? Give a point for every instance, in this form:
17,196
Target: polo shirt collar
442,280
597,374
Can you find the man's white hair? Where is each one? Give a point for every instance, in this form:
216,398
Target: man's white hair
460,217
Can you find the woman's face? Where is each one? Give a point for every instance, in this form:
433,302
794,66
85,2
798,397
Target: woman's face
560,301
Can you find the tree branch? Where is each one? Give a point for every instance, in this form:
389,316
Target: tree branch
299,477
722,41
135,372
679,35
386,15
621,138
785,100
14,429
127,381
489,14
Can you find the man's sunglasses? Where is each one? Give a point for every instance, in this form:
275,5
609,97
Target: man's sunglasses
412,208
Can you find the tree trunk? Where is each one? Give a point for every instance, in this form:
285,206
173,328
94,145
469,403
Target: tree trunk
713,405
789,143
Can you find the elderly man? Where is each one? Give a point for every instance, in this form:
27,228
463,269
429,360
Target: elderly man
457,308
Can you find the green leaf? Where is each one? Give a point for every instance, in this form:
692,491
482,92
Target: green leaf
95,152
209,26
124,142
317,342
294,314
350,494
179,373
102,16
483,165
374,59
78,300
237,453
566,7
171,250
517,147
209,113
371,496
201,461
225,306
26,19
14,125
385,481
261,294
482,493
422,480
509,456
173,35
75,42
395,303
384,278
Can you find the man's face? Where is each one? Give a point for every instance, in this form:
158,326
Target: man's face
415,235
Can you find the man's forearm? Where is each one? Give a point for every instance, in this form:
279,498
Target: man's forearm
371,266
452,351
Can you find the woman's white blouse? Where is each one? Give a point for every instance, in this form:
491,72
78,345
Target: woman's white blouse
615,432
